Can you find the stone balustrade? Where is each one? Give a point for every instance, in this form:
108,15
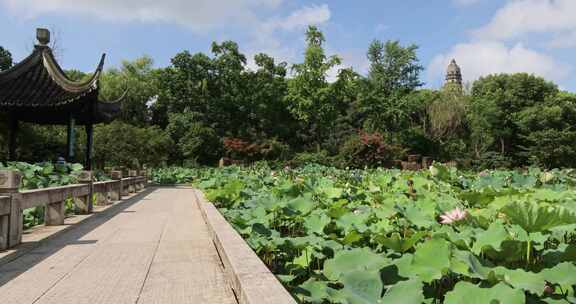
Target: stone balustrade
13,201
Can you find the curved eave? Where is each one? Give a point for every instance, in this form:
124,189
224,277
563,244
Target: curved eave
44,55
58,75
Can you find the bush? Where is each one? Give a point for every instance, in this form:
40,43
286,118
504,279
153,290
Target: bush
305,158
269,149
369,150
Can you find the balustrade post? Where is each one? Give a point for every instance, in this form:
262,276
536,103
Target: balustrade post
85,203
55,213
133,185
144,174
116,195
11,225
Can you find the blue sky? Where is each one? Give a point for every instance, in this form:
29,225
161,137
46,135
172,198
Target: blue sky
485,36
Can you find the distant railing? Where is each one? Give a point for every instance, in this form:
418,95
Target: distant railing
13,201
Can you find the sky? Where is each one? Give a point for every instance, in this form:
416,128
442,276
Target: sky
484,36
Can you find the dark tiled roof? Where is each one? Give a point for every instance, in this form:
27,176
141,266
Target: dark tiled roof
38,90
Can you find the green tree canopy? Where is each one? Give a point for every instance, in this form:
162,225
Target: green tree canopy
309,96
139,78
394,74
496,102
5,59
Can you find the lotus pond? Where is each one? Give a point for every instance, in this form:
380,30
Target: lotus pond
386,236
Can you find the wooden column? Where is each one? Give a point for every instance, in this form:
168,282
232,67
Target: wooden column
70,140
14,125
89,145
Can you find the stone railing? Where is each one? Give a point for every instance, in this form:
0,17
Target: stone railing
13,201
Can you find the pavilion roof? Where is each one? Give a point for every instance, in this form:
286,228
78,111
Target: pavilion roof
37,90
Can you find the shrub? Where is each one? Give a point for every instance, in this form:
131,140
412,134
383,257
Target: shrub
305,158
269,149
369,150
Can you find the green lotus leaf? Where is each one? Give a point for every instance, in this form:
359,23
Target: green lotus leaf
465,292
362,259
302,204
304,259
534,217
405,292
353,221
316,222
563,274
418,217
399,244
493,237
362,287
316,291
431,259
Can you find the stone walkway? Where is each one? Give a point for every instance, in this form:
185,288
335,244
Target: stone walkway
153,248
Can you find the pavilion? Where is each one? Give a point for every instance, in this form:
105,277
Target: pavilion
37,90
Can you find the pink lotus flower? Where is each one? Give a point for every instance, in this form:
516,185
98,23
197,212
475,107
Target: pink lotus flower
453,216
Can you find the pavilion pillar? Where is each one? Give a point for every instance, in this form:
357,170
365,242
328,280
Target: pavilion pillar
89,145
71,136
14,126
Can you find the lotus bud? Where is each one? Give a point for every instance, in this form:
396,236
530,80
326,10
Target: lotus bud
434,171
546,177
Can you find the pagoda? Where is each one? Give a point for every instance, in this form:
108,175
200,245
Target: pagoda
37,90
453,75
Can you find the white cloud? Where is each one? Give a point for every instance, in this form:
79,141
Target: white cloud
482,58
308,15
198,15
519,17
267,39
564,40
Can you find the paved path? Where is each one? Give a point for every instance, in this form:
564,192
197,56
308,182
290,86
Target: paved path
153,248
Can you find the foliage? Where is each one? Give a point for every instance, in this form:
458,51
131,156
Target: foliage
375,236
243,150
186,112
173,175
497,101
548,131
302,159
369,150
137,79
121,144
385,93
5,59
308,95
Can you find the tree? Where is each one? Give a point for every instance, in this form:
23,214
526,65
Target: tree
5,59
547,131
394,74
496,103
308,97
394,68
140,79
264,98
122,144
447,122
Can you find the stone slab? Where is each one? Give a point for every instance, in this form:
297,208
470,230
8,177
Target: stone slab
251,280
154,248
